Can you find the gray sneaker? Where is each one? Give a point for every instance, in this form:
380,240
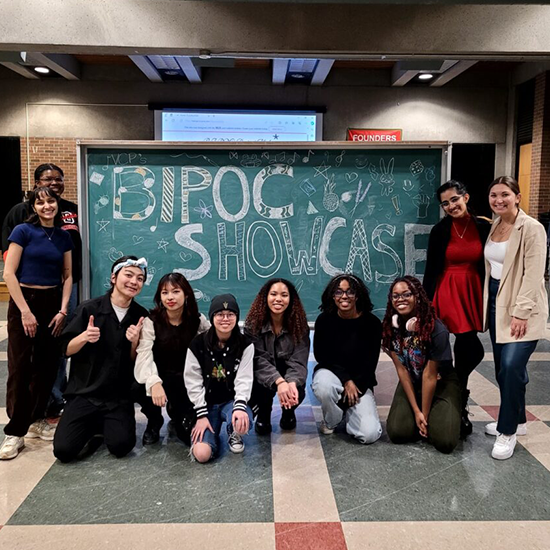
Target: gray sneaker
11,446
41,429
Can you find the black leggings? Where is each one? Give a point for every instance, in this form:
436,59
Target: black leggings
469,353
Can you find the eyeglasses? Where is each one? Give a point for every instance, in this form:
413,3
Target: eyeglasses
51,180
221,315
350,293
454,200
405,296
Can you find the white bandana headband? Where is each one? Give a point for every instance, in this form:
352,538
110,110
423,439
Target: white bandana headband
141,263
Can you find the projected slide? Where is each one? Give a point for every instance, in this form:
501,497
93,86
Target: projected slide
216,126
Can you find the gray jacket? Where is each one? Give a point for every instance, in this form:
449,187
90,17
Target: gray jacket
276,356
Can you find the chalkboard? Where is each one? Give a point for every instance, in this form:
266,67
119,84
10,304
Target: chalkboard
230,218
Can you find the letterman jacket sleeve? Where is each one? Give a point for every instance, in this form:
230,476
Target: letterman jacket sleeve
145,370
244,379
194,383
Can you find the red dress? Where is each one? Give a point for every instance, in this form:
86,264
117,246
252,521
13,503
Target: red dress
458,298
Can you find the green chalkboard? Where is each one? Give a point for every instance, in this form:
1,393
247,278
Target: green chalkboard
229,219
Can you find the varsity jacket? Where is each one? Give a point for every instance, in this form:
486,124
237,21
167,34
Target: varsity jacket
199,365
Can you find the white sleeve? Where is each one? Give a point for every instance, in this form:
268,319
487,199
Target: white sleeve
145,370
244,379
204,324
194,383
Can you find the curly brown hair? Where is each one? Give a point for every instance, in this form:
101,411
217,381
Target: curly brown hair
363,302
294,318
424,313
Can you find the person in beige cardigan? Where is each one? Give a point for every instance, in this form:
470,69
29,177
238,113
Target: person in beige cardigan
515,306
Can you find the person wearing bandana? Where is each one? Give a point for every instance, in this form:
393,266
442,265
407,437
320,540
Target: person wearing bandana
101,341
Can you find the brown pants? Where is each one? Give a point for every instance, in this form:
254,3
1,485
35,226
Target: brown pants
32,362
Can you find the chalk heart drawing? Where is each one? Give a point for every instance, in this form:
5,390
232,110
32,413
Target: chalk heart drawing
114,254
351,177
185,256
137,240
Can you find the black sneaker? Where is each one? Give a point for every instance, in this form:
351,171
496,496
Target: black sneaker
288,420
263,426
151,435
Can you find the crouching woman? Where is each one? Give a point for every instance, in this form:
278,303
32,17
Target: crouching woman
218,376
427,401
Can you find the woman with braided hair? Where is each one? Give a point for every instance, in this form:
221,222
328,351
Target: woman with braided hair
277,325
427,401
347,347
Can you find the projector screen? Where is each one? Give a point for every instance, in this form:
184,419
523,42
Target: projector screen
229,125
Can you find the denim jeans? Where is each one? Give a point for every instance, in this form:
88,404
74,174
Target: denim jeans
511,371
217,415
362,420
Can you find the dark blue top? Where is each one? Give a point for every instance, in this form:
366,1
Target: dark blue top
42,259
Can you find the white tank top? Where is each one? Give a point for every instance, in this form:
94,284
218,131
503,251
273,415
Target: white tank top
495,254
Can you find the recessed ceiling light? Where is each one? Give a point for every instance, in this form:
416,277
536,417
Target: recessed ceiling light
425,76
42,70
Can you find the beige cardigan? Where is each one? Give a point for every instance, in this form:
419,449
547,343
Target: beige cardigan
521,293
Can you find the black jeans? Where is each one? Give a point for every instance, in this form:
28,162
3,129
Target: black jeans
81,420
32,362
179,407
262,399
511,371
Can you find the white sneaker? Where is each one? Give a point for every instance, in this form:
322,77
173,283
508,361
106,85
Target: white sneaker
504,446
42,429
324,429
236,444
11,446
491,429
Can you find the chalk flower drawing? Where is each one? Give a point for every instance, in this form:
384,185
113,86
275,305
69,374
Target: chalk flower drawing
203,210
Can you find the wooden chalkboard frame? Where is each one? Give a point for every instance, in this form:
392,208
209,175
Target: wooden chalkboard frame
83,146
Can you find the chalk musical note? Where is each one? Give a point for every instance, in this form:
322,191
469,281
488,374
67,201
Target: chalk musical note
309,153
153,228
396,205
339,159
292,159
265,155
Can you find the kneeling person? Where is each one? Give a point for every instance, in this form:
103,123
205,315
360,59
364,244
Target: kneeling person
218,376
101,340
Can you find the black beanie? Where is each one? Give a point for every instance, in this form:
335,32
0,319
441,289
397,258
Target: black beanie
223,302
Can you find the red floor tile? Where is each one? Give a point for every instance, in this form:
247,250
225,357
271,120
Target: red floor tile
309,536
492,410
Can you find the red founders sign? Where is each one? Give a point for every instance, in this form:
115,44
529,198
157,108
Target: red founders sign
374,136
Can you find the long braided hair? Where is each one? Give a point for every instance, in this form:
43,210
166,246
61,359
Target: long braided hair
294,318
424,313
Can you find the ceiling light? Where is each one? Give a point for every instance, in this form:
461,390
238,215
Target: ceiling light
42,70
425,76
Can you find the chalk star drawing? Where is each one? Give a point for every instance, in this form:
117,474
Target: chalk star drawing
203,210
322,170
102,225
162,244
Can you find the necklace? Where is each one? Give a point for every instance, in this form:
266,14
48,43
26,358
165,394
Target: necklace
461,236
49,236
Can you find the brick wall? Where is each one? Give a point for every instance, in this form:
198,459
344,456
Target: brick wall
58,151
539,200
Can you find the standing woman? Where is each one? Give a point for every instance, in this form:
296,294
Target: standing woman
161,351
455,271
427,399
38,277
277,325
219,371
347,347
515,306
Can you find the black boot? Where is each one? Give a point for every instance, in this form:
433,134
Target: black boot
263,422
466,427
288,420
151,434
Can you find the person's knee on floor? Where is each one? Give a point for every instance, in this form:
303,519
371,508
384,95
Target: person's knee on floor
122,447
202,452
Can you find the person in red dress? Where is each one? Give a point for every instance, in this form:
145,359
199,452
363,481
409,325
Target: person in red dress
453,280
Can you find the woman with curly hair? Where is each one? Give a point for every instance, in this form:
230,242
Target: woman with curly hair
163,344
347,347
277,324
427,401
